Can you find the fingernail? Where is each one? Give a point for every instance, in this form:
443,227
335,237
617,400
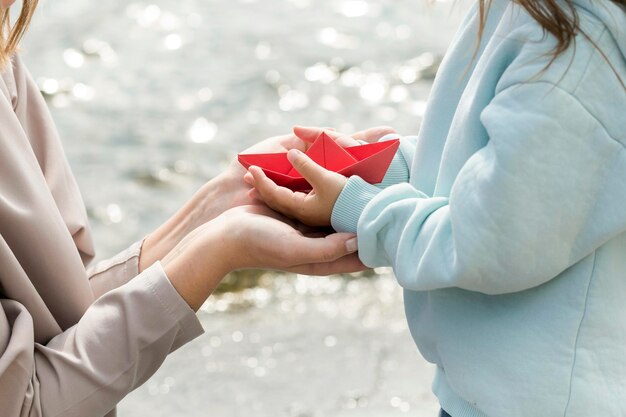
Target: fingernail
351,245
293,154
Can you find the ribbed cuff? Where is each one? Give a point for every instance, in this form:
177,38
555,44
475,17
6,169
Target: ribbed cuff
450,401
351,203
398,171
407,148
173,304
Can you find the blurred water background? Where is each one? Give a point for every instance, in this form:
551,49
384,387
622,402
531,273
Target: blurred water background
154,98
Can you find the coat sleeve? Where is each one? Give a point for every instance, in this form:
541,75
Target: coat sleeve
546,191
109,274
121,340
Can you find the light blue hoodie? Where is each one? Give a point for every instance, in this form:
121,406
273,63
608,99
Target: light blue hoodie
509,234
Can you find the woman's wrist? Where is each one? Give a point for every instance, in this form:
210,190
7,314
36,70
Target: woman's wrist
214,198
160,242
199,262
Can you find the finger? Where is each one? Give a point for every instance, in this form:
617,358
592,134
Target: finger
373,133
294,142
279,198
342,139
248,179
254,195
322,249
311,171
309,134
344,265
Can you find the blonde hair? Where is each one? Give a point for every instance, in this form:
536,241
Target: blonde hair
10,35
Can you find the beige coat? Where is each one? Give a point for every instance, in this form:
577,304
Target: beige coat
73,342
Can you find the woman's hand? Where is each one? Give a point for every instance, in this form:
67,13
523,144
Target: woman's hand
254,237
223,192
313,208
262,238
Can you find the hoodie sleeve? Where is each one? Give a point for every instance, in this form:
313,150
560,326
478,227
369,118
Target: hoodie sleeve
344,217
399,169
547,190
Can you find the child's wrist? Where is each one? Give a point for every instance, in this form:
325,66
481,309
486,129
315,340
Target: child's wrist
341,185
350,204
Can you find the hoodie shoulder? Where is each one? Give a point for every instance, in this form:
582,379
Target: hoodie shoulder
601,89
602,86
592,69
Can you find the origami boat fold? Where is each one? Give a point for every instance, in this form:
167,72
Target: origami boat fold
369,162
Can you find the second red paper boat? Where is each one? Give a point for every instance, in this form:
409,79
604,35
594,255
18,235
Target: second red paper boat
369,162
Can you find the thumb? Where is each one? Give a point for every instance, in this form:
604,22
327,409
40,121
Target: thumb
311,171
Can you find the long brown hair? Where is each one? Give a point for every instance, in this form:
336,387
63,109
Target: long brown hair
10,35
558,17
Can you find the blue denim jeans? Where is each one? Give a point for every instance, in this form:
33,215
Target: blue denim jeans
444,414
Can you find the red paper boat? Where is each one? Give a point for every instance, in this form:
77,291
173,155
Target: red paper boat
369,162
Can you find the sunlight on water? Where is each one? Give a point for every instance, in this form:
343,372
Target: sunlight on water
354,8
202,130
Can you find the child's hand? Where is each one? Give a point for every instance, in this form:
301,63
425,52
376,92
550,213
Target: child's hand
313,208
